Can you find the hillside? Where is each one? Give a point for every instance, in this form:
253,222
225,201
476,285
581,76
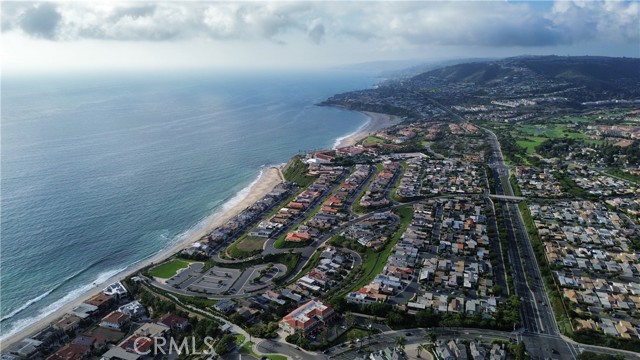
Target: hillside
534,80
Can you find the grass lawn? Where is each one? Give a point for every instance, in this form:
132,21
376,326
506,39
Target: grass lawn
245,247
530,143
247,348
239,339
199,302
353,333
372,140
169,269
313,262
251,243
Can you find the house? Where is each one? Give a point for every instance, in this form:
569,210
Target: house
101,300
116,291
26,348
68,323
225,306
137,344
84,311
153,330
134,309
118,353
116,320
94,341
307,317
444,352
71,352
173,321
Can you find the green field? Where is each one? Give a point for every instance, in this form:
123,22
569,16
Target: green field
169,269
550,131
530,136
372,140
530,143
245,247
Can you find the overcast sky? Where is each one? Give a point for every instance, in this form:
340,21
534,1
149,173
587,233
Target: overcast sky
54,36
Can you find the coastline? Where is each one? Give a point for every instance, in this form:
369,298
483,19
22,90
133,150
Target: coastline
376,122
269,178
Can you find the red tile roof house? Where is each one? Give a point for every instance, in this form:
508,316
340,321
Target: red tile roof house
137,345
115,320
71,352
94,341
297,236
173,321
307,317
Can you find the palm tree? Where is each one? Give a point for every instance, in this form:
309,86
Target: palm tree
433,336
369,323
401,341
325,335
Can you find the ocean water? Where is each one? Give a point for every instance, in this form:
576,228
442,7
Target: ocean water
101,172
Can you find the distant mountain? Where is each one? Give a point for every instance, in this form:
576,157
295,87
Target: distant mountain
536,80
596,71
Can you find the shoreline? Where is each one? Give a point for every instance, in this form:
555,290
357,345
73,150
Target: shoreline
268,179
376,123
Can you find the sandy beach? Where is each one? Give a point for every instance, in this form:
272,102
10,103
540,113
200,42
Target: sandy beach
377,122
268,180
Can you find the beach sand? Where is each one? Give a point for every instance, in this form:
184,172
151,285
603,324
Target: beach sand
268,180
377,122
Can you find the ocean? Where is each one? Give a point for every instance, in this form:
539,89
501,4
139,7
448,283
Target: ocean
99,172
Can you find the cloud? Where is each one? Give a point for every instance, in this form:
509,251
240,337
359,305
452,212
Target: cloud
316,31
391,24
41,20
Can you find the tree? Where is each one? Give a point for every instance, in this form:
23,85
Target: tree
224,344
520,351
400,342
369,323
324,335
433,336
419,349
349,320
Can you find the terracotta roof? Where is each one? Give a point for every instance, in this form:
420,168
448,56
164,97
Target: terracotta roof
70,352
116,317
172,320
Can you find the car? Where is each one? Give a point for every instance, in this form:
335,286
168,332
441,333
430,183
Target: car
409,334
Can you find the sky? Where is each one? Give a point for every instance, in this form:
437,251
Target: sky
134,35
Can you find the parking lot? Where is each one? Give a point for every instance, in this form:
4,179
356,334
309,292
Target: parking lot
225,281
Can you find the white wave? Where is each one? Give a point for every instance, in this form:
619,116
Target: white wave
339,140
51,308
236,199
26,305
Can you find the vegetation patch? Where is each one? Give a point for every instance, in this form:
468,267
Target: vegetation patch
245,247
296,171
168,269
